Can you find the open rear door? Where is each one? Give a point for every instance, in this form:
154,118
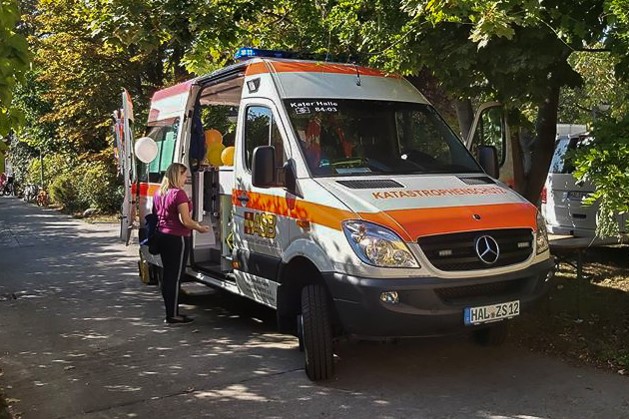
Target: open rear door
123,122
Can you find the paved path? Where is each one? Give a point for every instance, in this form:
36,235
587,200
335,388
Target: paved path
82,337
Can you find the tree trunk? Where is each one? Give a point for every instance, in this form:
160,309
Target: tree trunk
519,175
465,115
546,130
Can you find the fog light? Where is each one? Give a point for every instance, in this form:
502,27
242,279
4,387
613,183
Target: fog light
389,297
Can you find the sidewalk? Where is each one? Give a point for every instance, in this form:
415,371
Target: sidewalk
80,334
82,337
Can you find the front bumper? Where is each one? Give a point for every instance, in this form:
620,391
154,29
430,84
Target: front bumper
428,306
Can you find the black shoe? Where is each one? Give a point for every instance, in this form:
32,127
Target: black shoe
180,319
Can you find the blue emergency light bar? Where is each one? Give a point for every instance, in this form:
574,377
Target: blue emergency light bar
246,53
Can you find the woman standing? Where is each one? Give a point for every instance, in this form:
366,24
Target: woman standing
172,207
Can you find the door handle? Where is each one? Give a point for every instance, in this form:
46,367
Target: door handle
243,198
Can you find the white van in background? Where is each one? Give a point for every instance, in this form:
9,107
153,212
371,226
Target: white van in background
563,196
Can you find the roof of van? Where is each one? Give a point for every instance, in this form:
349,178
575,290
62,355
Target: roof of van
570,129
274,65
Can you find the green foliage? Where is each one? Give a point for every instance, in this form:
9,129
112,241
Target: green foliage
64,190
600,86
514,51
40,135
81,76
99,186
14,60
79,183
605,163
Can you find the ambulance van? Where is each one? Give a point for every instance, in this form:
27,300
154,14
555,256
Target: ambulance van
350,207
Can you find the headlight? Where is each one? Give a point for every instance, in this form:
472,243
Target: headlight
541,238
377,245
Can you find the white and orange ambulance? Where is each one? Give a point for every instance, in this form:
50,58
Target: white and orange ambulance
350,206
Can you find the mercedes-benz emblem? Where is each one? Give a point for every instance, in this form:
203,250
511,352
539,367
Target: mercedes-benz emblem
487,249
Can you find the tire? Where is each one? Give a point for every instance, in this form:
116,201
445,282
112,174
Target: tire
495,335
154,274
300,332
317,333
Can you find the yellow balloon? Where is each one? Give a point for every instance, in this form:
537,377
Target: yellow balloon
213,136
227,156
213,149
214,153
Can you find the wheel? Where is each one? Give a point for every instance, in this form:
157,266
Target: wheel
495,335
154,275
317,333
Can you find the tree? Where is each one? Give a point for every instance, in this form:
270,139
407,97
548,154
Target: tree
14,61
82,77
515,52
605,163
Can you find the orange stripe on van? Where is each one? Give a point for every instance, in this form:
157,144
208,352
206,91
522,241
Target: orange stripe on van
413,223
409,224
293,208
312,67
146,189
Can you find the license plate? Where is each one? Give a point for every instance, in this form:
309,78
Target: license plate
491,313
577,195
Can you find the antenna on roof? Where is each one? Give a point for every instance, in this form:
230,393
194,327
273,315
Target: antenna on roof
357,74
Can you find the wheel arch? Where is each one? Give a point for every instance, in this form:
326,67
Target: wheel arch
294,275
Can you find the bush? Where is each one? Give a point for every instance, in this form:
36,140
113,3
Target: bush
53,165
99,187
64,190
79,183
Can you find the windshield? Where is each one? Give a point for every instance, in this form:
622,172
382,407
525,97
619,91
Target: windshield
564,151
366,137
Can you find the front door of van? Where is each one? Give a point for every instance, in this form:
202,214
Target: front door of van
261,225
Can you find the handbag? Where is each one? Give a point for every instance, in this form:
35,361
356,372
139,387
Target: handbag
152,230
152,233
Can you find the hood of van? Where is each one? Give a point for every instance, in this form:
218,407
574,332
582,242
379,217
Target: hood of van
416,206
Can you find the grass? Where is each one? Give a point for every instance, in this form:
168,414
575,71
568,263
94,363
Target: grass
587,323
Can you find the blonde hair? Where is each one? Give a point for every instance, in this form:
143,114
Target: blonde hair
171,177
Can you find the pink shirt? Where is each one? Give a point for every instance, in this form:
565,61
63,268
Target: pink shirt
165,207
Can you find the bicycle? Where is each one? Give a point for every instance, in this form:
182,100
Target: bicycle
9,188
43,200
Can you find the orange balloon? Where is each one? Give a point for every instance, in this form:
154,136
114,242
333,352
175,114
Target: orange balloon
213,136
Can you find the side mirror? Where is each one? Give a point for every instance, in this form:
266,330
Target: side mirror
263,173
488,159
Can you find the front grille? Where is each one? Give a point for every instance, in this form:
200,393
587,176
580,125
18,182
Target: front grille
457,252
502,289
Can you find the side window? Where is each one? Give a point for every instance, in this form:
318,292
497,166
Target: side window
261,129
490,132
166,137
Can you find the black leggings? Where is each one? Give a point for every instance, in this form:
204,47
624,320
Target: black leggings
174,251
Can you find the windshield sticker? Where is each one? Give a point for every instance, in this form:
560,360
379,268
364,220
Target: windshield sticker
420,193
324,106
